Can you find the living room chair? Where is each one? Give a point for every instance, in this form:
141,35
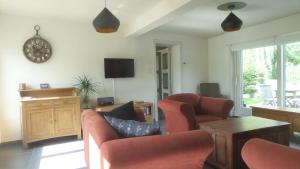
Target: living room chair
210,90
262,154
104,149
267,95
184,111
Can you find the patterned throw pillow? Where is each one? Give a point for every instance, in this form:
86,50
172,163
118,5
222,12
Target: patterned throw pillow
131,128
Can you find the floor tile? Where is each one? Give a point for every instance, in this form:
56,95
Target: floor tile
51,153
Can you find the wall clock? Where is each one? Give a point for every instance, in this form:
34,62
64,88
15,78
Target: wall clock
37,49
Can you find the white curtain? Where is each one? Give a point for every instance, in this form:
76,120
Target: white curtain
236,93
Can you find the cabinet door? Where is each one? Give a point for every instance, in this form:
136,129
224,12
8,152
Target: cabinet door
65,119
39,123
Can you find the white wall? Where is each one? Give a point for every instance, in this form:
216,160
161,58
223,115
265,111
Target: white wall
219,55
78,49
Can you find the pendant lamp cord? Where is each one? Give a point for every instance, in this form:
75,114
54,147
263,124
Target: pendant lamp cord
105,3
230,7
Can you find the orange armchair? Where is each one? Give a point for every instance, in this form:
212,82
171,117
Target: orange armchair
104,149
184,111
262,154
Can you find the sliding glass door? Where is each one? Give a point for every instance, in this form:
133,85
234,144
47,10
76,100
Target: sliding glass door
259,76
267,76
292,74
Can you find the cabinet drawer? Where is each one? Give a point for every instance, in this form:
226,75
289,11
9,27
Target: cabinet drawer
37,104
64,102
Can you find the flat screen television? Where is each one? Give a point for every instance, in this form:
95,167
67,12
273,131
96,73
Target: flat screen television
118,68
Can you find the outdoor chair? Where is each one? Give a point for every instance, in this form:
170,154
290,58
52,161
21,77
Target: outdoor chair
267,95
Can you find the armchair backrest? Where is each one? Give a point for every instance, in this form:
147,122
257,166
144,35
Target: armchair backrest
189,98
205,105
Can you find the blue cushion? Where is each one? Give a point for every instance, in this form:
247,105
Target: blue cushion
131,128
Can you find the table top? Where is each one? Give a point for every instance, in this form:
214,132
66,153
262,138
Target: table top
241,124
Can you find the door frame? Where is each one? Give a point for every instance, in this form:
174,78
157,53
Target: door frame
167,71
169,44
239,109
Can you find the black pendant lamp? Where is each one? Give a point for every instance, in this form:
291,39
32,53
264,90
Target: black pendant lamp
231,22
106,22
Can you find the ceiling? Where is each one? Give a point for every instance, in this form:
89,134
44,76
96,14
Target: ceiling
202,20
205,20
76,10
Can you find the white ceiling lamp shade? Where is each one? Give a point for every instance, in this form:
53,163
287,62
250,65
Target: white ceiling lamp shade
106,22
231,22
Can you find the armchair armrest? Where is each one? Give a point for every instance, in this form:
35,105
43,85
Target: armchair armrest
262,154
216,106
162,151
179,116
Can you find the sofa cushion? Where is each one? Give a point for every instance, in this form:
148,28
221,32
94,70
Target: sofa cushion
206,118
131,128
189,98
125,112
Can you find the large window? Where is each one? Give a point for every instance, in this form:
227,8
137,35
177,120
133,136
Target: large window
271,76
292,74
259,74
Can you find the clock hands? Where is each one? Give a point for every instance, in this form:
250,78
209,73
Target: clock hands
37,49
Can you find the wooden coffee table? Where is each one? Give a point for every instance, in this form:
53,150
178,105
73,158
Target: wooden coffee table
230,135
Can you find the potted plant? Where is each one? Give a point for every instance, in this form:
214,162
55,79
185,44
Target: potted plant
85,87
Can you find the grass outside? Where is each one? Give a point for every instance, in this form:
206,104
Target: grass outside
252,101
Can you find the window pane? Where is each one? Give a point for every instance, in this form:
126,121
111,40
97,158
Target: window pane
165,61
259,74
292,72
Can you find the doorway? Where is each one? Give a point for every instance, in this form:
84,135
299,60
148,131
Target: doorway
168,72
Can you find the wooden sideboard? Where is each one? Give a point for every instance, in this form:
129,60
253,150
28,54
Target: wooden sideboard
290,115
49,113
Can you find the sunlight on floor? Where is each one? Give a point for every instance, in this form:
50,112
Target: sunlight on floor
63,156
62,148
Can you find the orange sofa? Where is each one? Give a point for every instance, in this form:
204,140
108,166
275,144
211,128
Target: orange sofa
184,111
262,154
104,149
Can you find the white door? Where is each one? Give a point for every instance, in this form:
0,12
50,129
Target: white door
165,73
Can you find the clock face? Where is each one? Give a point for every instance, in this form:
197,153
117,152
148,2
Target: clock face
37,50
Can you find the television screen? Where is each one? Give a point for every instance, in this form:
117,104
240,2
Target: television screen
116,68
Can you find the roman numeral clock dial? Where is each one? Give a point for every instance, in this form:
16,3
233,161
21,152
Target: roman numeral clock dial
37,49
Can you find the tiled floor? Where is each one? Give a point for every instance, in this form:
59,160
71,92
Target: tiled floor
66,153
